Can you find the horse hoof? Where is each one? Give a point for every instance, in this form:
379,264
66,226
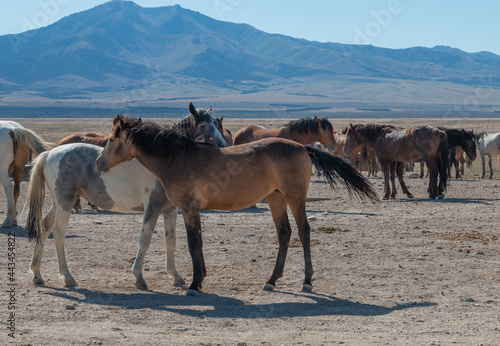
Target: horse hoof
70,283
410,195
385,198
268,287
38,281
179,282
432,197
192,293
440,196
307,288
141,285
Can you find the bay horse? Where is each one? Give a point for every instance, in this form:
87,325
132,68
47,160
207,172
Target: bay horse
197,177
393,147
488,145
303,131
17,145
69,172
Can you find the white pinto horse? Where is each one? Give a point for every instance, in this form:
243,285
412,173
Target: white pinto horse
70,172
488,145
17,145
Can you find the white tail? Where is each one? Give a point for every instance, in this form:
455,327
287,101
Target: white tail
36,198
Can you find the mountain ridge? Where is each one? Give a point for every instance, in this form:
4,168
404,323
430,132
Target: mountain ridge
119,44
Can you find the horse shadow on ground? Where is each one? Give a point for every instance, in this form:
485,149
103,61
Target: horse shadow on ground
21,232
487,201
227,307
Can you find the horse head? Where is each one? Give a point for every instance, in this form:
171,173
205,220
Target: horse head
352,139
118,149
469,144
205,127
326,133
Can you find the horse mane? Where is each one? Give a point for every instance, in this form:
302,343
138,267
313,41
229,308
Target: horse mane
456,132
308,124
371,131
152,138
187,124
481,135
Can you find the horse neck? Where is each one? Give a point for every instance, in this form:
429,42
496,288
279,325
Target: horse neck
369,137
297,136
455,139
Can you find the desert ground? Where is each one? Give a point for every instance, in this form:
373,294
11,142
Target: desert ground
398,272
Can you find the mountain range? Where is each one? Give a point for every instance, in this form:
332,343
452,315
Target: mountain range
121,46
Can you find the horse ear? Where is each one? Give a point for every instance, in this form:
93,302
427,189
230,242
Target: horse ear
350,126
194,112
117,118
221,118
210,111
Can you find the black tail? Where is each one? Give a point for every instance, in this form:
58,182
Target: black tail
335,168
444,164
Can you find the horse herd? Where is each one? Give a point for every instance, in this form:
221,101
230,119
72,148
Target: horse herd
143,167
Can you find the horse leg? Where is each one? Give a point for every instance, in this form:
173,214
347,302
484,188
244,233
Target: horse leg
148,225
278,205
59,232
192,221
10,220
298,210
36,260
20,160
384,167
169,221
433,178
483,161
422,170
392,171
491,165
400,167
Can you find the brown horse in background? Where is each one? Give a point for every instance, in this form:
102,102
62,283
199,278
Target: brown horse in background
304,131
394,147
89,138
228,136
362,157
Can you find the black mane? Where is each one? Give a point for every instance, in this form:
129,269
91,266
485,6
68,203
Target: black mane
371,131
308,124
152,138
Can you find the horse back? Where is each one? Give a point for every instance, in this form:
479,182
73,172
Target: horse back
89,138
252,133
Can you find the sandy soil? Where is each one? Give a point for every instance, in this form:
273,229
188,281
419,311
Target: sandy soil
396,272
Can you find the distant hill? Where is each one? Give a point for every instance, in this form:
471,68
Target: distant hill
122,45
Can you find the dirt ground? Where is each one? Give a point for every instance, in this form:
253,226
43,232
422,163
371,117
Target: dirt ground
398,272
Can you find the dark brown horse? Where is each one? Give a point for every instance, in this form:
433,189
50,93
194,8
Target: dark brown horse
393,147
199,177
303,131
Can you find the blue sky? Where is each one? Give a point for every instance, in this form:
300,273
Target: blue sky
468,25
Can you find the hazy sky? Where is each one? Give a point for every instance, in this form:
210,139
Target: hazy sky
468,25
